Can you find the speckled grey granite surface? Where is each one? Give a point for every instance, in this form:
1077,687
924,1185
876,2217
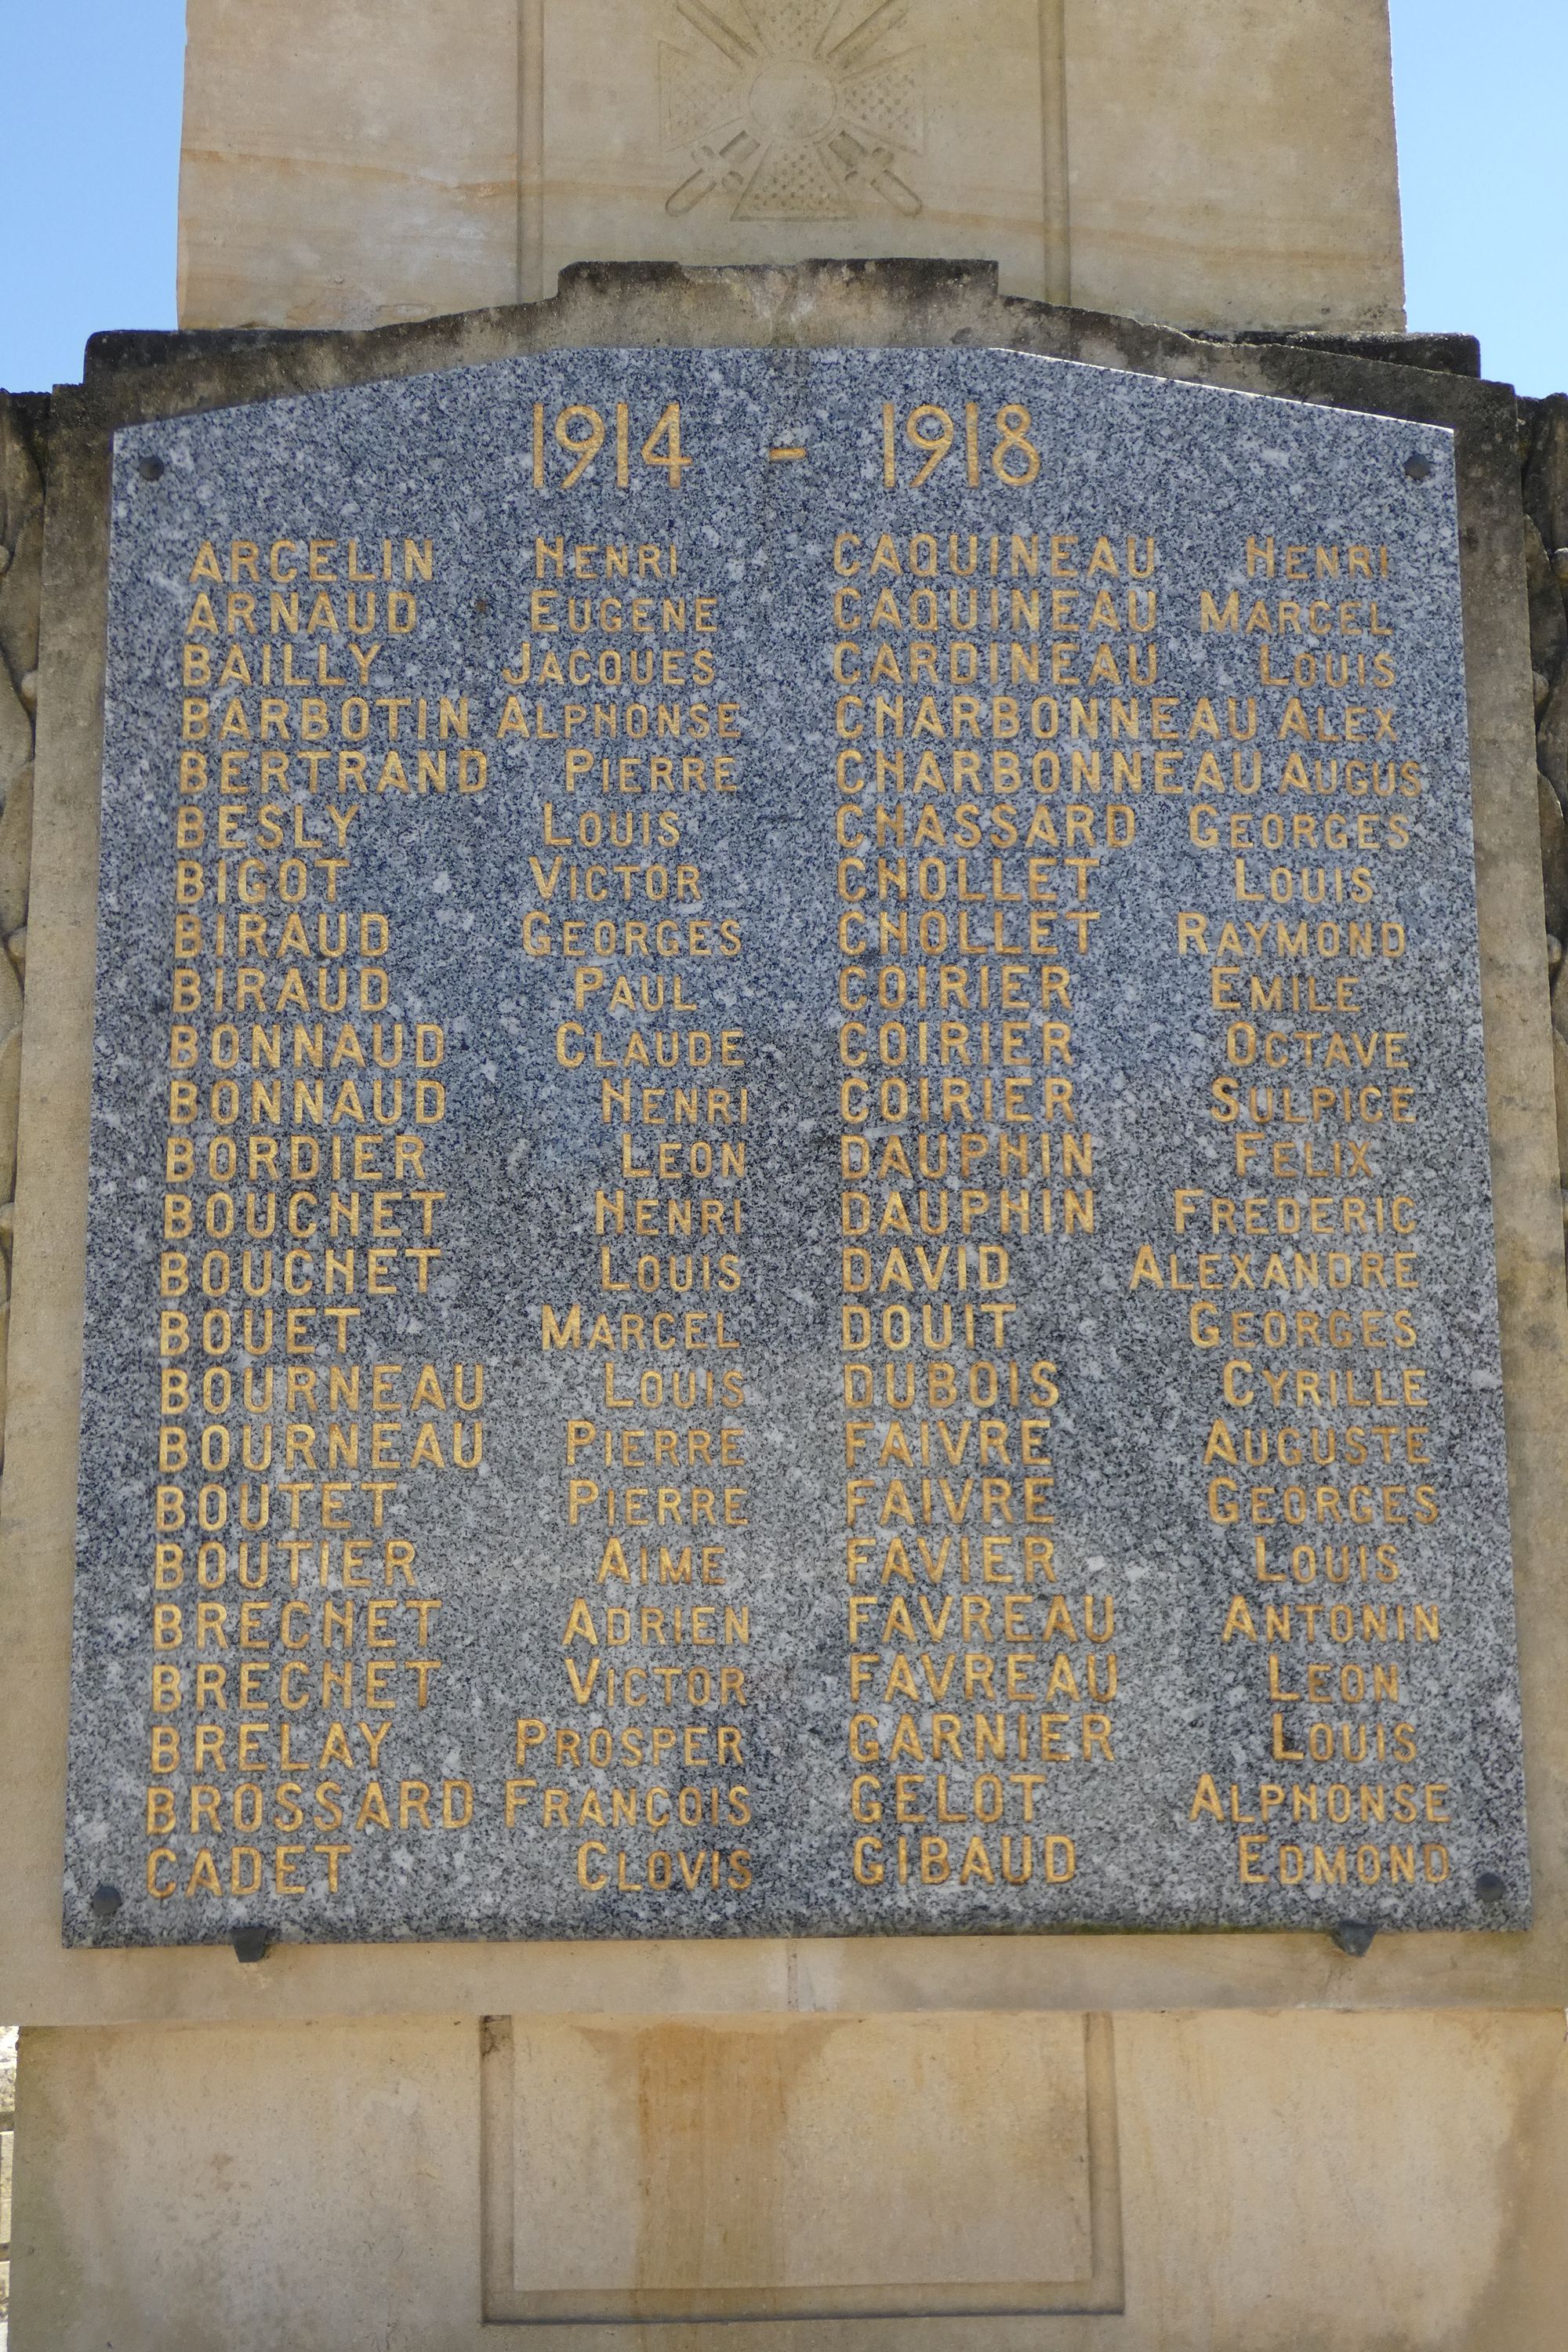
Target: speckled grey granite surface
1029,1589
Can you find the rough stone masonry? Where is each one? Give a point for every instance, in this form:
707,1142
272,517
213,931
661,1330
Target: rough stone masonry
21,553
1544,449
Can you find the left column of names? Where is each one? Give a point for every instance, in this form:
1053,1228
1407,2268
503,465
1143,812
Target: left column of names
295,1635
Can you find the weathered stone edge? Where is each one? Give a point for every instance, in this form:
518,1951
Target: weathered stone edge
23,429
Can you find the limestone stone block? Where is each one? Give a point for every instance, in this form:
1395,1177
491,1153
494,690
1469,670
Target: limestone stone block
316,2189
1264,2182
347,162
1212,163
1231,162
1390,2182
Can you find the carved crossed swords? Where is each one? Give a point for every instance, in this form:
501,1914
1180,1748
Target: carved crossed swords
727,167
723,167
874,167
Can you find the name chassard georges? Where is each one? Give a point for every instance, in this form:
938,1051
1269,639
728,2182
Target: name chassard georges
1013,733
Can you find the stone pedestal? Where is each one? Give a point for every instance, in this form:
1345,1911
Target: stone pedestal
1250,2182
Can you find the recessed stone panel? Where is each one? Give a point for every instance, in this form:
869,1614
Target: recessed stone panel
820,127
663,2169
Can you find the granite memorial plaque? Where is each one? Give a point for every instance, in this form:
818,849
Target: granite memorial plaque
790,1219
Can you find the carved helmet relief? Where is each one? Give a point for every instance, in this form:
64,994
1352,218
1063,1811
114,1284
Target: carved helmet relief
794,110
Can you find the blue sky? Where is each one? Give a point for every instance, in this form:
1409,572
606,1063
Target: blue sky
90,145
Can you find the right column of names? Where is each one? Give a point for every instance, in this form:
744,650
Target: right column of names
1299,1244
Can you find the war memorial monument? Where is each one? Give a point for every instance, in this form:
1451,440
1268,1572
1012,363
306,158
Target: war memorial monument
783,1512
